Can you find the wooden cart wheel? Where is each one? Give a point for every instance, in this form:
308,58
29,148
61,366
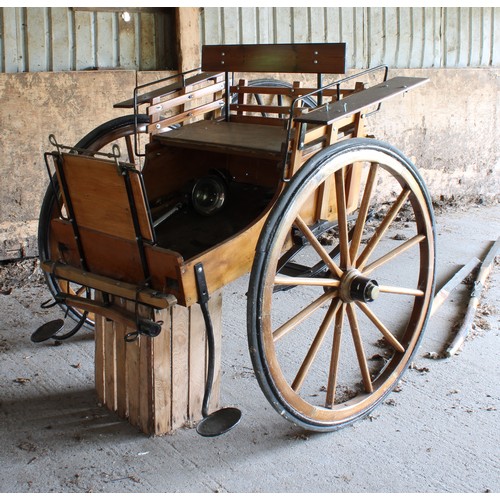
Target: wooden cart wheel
276,99
118,131
329,346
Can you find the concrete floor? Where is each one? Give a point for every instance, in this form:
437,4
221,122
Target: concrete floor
440,433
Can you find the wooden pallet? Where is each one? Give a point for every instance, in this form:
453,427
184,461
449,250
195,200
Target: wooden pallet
158,383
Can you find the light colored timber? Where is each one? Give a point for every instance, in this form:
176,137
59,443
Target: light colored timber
380,231
334,362
358,344
318,247
302,315
315,346
381,327
393,253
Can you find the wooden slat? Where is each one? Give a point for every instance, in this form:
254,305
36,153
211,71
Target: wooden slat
361,100
161,92
181,117
162,374
215,308
275,58
189,96
148,47
257,108
144,377
180,365
100,336
104,50
197,362
36,39
110,368
158,383
127,44
126,290
61,53
121,366
286,91
259,120
134,383
12,28
84,41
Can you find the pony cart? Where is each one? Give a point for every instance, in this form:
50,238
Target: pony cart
216,175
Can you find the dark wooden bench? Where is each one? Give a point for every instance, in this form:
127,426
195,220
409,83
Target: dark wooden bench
254,129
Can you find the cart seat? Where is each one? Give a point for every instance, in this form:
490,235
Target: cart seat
246,139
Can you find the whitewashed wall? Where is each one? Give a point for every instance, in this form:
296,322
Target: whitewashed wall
405,37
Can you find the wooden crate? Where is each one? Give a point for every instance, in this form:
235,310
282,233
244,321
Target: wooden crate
158,383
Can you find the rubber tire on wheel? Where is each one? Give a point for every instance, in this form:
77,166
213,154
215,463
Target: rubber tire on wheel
290,332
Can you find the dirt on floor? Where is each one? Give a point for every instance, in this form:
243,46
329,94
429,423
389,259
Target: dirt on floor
438,431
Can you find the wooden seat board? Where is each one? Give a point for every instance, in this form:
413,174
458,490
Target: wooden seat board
360,100
251,139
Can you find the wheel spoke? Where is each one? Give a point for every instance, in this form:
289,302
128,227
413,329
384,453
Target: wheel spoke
334,362
258,100
380,231
363,212
381,327
393,253
398,290
302,315
316,344
318,247
345,260
295,281
358,344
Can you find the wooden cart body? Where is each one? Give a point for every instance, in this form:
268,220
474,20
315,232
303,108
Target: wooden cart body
200,124
277,178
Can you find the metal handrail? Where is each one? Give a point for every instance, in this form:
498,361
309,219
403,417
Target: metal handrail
337,84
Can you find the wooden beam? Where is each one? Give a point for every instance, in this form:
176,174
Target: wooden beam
187,24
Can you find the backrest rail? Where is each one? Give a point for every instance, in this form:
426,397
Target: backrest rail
276,58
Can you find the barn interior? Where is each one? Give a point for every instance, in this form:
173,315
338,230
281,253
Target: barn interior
62,71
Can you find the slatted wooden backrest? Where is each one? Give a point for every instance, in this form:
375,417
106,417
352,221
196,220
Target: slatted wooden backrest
269,103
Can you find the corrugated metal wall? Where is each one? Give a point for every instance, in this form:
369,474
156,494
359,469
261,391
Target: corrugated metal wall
62,38
401,37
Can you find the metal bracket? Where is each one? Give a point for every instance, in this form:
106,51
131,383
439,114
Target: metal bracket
115,154
201,284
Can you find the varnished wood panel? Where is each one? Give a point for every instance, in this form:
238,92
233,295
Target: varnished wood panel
275,58
99,197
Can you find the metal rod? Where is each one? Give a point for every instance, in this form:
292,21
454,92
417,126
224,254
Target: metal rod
137,227
297,100
71,213
203,299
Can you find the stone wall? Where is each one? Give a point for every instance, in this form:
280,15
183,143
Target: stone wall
449,127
